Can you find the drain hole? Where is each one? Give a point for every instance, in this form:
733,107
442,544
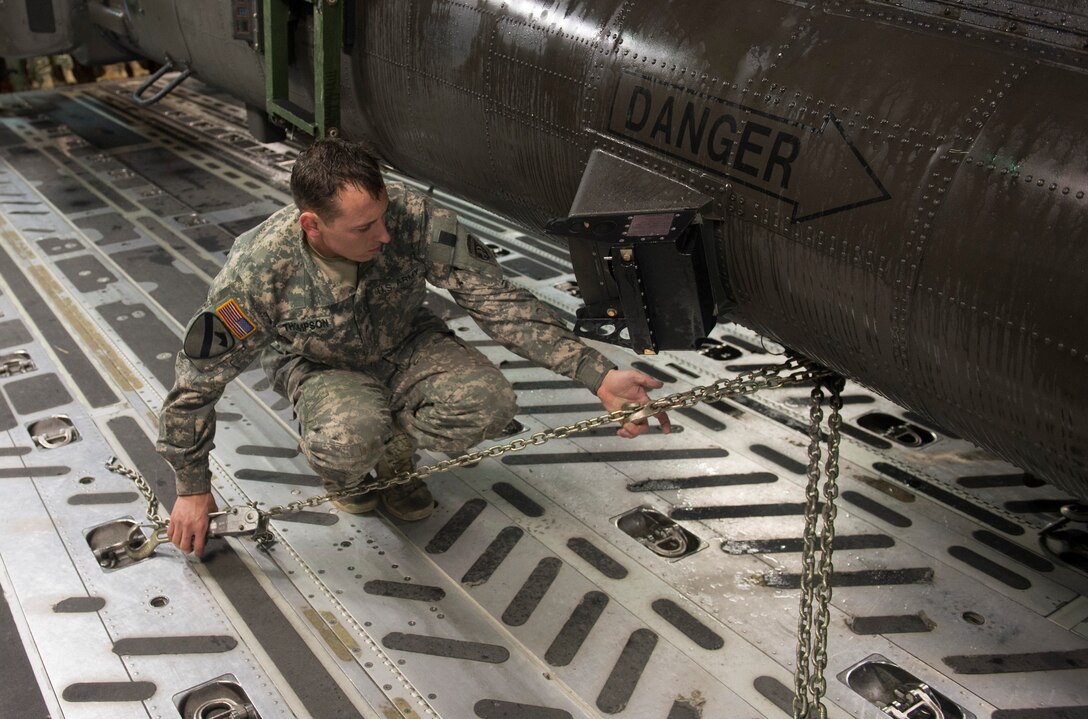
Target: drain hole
974,618
159,602
86,480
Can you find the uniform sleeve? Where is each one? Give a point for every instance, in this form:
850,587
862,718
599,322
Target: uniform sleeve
220,342
461,263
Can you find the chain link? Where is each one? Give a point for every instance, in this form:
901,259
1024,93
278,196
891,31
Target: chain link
814,613
115,465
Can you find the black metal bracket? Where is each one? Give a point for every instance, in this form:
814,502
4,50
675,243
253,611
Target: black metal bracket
645,260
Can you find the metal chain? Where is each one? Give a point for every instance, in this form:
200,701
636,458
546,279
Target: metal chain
115,465
814,611
795,370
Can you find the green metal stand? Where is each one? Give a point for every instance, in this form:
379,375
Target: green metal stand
328,21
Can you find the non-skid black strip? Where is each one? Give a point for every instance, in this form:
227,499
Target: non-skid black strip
19,692
106,692
952,500
864,437
547,384
987,481
773,455
627,456
1012,663
628,669
775,692
318,692
139,447
531,268
714,480
518,499
449,648
517,364
37,393
876,509
597,558
584,408
1015,551
701,418
499,549
787,545
404,590
292,478
609,430
860,578
104,498
259,450
57,471
890,624
14,451
70,353
7,417
324,519
498,709
154,646
79,605
452,530
1080,712
688,625
575,630
655,372
740,511
998,571
1037,506
527,599
683,709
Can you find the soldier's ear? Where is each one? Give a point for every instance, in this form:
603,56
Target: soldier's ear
309,222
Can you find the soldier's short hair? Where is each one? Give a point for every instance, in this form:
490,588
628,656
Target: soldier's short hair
326,167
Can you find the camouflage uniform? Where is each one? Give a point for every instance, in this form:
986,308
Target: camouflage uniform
358,361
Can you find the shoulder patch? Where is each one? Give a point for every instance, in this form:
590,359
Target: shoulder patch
235,320
207,337
479,250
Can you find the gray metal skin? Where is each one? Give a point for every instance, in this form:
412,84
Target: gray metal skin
900,192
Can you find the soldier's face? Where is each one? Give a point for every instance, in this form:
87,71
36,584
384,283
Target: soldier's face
358,233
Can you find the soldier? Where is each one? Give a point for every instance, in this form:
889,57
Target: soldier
329,292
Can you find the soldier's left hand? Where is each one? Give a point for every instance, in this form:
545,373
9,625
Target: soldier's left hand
622,386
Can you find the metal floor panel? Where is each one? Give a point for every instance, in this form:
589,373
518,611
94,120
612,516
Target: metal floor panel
520,595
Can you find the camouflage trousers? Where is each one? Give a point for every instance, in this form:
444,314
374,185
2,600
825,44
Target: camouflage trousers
441,392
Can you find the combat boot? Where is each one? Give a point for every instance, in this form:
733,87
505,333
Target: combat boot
407,502
361,503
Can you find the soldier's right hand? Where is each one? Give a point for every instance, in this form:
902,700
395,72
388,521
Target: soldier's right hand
188,527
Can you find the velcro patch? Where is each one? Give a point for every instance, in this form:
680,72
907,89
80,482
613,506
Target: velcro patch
207,337
235,320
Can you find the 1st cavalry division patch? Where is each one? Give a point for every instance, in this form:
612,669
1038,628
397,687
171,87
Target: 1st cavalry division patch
235,320
207,337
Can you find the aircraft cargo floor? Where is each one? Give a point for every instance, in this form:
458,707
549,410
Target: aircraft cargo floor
521,596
